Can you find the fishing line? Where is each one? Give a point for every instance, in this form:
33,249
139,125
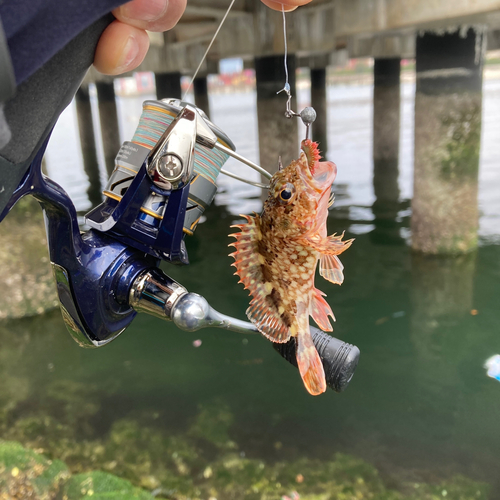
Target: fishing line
287,85
289,112
208,48
221,148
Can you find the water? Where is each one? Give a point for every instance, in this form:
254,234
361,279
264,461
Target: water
419,418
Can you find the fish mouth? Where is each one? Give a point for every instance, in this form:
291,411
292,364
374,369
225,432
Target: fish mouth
316,175
317,178
324,174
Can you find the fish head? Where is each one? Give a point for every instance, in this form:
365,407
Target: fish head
299,194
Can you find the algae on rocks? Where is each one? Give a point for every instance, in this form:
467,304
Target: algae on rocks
27,474
25,274
444,206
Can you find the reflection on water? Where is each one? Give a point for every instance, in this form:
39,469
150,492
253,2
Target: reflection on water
231,419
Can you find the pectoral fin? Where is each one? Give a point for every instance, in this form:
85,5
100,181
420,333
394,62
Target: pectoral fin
265,311
331,269
265,315
320,310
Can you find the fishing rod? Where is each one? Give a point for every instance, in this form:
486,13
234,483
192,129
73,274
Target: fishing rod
163,181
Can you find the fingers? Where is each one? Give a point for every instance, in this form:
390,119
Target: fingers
124,43
121,48
289,5
151,15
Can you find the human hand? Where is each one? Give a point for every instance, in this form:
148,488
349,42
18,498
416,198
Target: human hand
124,43
288,5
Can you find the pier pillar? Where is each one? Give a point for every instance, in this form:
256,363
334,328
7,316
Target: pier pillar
278,135
200,89
386,119
447,138
386,104
319,103
87,142
168,85
108,118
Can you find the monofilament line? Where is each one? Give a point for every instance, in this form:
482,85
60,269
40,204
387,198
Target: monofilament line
208,48
289,112
287,85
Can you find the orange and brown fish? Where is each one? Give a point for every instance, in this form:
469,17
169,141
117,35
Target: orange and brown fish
277,254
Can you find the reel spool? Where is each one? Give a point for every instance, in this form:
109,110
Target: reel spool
164,179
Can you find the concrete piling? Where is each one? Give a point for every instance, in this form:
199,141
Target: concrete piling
386,104
108,118
168,85
278,135
200,88
319,103
88,145
447,138
386,119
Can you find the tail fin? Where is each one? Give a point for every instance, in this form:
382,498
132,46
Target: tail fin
310,366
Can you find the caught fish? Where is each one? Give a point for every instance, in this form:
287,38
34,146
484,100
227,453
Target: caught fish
277,254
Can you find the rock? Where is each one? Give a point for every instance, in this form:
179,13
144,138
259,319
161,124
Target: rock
102,486
26,474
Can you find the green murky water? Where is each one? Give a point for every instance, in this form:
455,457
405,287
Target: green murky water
230,419
420,408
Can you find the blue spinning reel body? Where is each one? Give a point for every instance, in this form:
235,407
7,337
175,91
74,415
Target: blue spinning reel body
95,270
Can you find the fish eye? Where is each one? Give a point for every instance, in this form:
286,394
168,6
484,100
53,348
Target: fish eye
287,192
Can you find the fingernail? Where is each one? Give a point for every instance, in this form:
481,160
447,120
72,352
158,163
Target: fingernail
145,10
129,53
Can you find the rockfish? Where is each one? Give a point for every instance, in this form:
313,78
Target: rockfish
277,254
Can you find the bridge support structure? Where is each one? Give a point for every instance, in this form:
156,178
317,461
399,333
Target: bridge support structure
319,103
386,125
200,88
88,144
108,118
168,85
447,138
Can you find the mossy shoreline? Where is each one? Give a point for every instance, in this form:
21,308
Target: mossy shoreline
139,462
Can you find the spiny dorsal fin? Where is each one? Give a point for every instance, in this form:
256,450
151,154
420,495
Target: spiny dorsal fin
312,153
265,310
331,245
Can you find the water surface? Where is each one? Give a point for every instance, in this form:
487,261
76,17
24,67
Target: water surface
420,409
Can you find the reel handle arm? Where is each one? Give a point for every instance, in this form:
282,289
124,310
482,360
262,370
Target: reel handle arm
157,294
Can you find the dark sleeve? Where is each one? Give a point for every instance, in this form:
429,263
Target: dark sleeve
38,29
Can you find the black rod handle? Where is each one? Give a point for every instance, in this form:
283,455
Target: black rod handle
339,358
